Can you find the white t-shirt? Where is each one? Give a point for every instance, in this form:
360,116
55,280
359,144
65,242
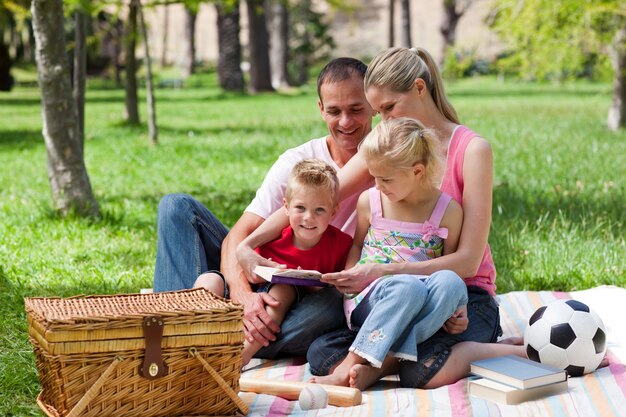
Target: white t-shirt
269,197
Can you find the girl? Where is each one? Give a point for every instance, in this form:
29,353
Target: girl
404,218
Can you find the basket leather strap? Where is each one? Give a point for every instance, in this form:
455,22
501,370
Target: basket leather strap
153,366
94,390
243,407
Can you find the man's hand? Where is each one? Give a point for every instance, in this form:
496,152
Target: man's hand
258,326
458,322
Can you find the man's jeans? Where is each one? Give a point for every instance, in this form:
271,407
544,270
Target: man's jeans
190,242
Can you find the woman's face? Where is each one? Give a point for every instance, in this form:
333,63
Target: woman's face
392,104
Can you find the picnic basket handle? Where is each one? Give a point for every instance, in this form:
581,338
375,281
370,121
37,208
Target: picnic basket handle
243,407
89,395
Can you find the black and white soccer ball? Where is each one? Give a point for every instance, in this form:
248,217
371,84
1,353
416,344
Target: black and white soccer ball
566,334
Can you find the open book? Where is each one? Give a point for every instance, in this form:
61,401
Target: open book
305,277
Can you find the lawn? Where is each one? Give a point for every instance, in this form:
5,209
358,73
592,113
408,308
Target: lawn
558,212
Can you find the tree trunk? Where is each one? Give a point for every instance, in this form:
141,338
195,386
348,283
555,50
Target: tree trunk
189,57
449,22
132,107
166,21
617,112
80,67
258,42
301,14
392,26
406,23
152,126
6,80
229,61
68,177
279,49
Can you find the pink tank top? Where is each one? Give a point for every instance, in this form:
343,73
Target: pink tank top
452,184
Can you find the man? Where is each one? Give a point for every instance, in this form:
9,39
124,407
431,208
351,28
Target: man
192,241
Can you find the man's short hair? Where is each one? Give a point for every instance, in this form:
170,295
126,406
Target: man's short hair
340,69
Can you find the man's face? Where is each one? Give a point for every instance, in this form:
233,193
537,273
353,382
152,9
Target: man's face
347,113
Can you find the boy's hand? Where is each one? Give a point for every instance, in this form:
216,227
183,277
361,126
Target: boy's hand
458,322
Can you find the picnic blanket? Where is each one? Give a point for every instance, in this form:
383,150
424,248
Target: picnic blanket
601,393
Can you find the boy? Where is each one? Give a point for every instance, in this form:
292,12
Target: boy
309,242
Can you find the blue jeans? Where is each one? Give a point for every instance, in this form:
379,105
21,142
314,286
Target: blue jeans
484,326
400,313
190,242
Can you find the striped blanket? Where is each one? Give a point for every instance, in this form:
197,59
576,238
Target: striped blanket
601,393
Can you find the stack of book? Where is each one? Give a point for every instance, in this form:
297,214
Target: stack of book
511,379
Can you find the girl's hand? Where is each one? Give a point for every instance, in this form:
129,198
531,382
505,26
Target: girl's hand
458,322
249,259
355,279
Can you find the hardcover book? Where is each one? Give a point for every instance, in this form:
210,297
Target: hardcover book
506,394
517,372
306,277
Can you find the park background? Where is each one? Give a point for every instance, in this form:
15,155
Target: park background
539,95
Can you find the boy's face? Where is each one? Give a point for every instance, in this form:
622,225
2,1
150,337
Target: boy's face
310,211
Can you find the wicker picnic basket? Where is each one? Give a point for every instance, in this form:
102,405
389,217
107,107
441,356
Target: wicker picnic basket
162,354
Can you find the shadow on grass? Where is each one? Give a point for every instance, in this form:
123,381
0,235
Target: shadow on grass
20,139
519,212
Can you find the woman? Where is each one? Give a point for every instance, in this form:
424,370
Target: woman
403,82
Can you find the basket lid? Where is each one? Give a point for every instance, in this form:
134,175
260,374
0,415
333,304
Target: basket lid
94,309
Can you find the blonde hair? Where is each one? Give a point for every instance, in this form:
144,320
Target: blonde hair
402,143
313,173
398,68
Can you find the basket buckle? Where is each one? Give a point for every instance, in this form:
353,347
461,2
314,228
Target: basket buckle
153,366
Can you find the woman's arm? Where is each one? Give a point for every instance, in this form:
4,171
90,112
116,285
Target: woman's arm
363,224
353,177
453,221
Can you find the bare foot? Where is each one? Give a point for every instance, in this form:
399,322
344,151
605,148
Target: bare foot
513,340
340,376
364,376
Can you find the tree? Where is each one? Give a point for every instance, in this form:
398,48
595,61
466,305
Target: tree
132,106
453,10
80,69
67,173
152,126
392,25
406,23
189,56
557,38
229,71
278,17
258,44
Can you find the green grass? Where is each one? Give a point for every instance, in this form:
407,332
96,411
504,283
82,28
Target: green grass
558,212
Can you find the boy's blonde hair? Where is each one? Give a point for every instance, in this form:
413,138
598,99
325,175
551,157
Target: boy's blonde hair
313,173
402,143
398,68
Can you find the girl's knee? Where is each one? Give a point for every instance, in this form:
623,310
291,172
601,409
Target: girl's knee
407,286
451,284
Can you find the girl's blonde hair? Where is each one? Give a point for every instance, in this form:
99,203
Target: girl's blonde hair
398,68
313,173
402,143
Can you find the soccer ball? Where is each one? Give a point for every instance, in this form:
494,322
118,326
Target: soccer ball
566,334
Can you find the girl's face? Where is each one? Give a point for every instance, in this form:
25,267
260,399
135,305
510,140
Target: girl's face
392,104
396,184
310,211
